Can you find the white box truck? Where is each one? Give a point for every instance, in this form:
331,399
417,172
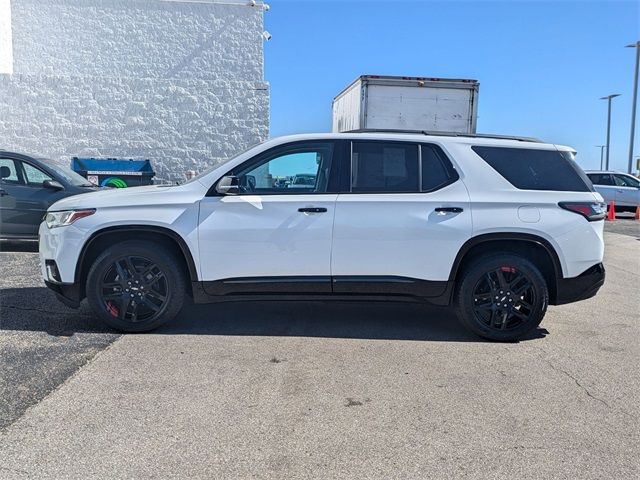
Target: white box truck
376,102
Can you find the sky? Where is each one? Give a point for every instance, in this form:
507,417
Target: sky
542,66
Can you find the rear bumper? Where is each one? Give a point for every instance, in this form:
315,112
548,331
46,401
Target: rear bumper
67,293
584,286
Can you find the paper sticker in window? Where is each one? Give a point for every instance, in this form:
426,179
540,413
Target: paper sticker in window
394,163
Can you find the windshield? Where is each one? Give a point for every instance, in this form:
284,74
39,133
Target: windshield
70,176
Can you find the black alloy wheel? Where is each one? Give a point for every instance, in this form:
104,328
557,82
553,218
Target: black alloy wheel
504,298
134,289
501,297
136,285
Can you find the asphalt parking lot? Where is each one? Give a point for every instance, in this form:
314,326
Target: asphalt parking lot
320,389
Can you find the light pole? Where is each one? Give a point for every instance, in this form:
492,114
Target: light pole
609,98
633,105
601,147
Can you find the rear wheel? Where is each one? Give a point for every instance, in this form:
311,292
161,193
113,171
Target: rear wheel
502,297
136,286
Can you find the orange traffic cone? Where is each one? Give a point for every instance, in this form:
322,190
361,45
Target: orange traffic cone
638,212
612,211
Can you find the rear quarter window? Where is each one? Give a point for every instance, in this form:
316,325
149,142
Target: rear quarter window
529,169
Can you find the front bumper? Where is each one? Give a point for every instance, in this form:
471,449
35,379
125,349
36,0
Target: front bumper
62,246
67,293
584,286
59,249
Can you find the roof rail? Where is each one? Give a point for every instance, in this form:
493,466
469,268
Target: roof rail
447,134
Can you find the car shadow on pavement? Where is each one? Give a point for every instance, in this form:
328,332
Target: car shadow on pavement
36,309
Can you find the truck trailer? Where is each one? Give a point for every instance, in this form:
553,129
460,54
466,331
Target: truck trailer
376,102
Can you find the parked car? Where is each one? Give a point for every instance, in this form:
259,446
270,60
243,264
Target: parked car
618,187
499,228
28,187
303,180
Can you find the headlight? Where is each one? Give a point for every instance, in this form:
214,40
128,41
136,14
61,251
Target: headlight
67,217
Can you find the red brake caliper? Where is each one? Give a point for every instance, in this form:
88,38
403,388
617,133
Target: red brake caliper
112,309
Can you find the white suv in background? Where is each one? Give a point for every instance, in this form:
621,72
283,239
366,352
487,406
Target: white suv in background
497,227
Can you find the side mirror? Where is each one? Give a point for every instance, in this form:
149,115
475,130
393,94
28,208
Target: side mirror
53,185
5,172
228,185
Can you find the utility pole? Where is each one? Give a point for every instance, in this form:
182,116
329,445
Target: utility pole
633,105
601,147
609,98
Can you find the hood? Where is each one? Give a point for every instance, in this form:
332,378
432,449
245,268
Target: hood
132,196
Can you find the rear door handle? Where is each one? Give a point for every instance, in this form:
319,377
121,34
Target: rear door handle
312,210
449,210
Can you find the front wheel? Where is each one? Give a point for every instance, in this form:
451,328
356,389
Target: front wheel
502,297
136,286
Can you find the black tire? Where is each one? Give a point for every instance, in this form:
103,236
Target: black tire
142,279
501,297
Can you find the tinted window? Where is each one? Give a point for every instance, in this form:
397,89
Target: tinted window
434,171
13,171
384,167
34,176
529,169
295,169
626,181
600,178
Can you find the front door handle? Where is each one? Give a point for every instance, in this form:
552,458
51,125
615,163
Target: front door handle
312,210
449,210
3,193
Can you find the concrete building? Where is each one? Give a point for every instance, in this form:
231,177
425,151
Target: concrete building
177,81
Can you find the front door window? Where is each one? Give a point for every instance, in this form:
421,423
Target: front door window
626,181
301,170
34,176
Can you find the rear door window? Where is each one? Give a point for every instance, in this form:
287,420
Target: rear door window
13,178
533,169
381,167
600,178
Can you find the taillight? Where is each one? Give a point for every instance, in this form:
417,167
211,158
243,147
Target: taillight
592,211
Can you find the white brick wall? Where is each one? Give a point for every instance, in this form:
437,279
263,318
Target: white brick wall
6,48
180,83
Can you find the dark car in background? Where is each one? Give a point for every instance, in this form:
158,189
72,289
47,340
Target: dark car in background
28,186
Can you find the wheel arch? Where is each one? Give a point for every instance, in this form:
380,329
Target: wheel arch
111,235
533,247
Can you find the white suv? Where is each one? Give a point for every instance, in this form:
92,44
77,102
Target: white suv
498,227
